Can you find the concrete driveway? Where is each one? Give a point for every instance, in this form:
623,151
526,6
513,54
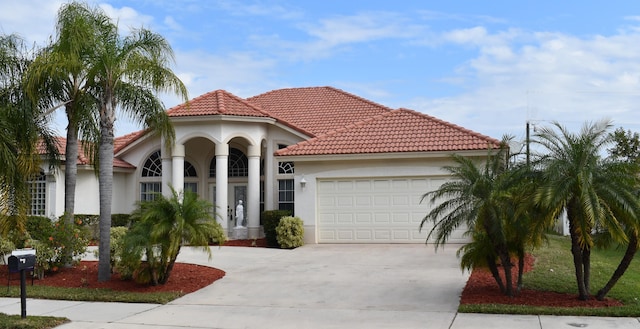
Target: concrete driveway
323,286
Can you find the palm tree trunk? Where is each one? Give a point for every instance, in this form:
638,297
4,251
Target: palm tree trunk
70,171
586,264
521,256
70,175
491,262
576,251
105,155
632,248
506,267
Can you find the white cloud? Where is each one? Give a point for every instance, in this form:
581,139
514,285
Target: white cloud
127,17
330,36
22,18
244,74
551,76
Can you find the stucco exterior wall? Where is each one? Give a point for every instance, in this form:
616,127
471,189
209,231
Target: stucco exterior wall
306,198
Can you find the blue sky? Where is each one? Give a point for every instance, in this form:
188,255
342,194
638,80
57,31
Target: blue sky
489,66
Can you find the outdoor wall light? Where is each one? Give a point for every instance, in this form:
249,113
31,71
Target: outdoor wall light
303,182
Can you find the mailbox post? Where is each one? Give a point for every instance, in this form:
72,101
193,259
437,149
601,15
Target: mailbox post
21,261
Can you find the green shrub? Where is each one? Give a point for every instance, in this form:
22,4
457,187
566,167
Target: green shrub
116,249
290,232
65,244
270,220
39,227
90,222
6,247
120,220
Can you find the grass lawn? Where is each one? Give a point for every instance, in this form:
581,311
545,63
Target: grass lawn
89,294
31,322
554,271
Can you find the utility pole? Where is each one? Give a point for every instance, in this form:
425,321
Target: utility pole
527,144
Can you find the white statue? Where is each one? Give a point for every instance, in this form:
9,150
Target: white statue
239,214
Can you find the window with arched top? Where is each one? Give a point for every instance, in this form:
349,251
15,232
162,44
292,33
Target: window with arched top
238,164
190,177
153,166
151,180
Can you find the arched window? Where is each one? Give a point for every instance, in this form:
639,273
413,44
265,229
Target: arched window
151,182
238,164
190,177
38,192
153,166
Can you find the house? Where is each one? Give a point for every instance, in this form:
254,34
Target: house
353,170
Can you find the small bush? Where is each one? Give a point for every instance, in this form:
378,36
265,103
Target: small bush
290,232
65,244
116,249
120,220
270,220
6,247
39,227
90,222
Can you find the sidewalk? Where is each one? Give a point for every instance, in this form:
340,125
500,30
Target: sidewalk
316,286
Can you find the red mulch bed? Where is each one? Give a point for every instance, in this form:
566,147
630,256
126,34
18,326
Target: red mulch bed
186,278
481,288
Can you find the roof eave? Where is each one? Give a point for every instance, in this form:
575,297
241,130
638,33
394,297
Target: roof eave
382,156
222,117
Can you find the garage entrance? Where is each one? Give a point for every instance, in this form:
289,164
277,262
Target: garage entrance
374,210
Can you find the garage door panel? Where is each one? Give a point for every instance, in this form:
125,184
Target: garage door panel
401,218
400,200
381,201
364,218
382,218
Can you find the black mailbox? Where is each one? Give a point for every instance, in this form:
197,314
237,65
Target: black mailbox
22,262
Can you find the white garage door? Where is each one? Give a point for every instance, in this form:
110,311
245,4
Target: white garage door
376,210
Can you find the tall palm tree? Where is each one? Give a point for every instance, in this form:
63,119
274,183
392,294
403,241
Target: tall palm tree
59,75
163,225
23,130
578,181
128,73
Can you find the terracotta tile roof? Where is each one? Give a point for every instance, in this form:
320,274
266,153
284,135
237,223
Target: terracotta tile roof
317,110
399,130
83,159
121,142
218,102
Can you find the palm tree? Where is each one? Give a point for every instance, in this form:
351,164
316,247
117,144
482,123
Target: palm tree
477,198
59,75
577,180
162,226
23,131
127,73
626,150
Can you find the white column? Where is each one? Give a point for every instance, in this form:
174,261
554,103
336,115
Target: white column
177,161
268,177
167,175
222,164
253,192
